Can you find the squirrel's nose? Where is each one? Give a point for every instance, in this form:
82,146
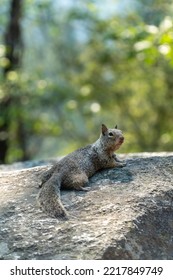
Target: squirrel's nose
121,138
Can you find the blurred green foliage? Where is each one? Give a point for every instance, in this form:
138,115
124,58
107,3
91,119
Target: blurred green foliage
82,67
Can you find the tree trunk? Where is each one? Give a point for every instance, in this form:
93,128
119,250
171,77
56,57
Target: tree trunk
13,37
14,47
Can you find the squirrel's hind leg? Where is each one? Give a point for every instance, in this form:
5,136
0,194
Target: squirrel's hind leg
79,181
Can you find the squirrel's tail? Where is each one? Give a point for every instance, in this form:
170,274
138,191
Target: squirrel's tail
49,198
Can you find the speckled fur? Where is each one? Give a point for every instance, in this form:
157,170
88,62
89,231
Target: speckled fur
73,171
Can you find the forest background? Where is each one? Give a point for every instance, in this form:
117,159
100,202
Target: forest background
66,66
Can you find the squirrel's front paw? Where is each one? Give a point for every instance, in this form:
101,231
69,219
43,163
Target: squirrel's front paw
121,164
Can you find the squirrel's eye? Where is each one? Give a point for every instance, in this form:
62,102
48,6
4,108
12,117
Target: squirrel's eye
111,134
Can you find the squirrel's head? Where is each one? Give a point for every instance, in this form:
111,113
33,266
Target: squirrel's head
112,138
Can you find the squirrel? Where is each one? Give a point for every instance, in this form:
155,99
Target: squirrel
73,170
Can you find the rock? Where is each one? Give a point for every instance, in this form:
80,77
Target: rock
127,214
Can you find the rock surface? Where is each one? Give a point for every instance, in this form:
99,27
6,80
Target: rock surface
127,214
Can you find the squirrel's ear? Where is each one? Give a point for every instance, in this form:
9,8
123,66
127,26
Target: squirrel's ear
104,129
116,126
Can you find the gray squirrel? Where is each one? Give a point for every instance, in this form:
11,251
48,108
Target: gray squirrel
73,170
